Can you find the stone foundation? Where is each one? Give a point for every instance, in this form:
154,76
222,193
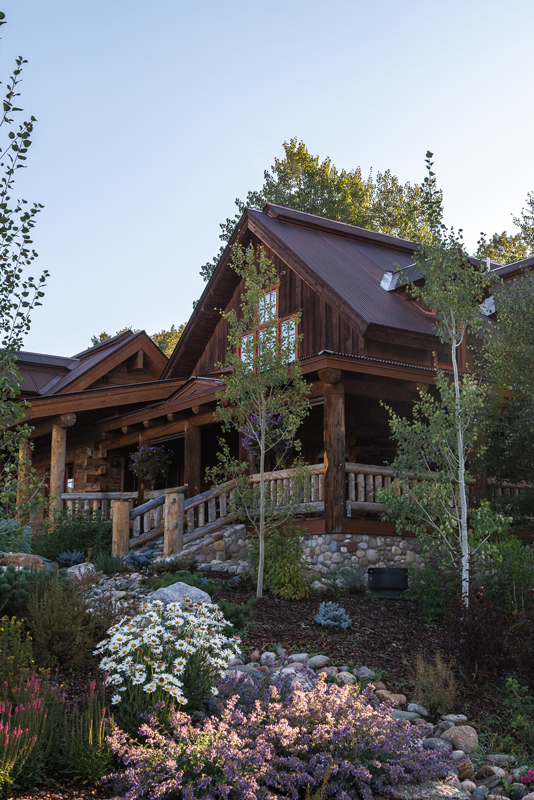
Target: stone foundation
226,551
328,551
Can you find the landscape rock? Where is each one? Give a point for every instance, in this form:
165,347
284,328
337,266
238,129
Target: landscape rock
438,743
421,710
383,695
454,718
466,770
248,669
484,772
363,672
255,655
463,737
346,678
479,793
468,786
319,661
500,759
442,726
411,716
20,560
300,657
328,671
529,796
518,791
379,685
79,571
267,658
319,587
429,790
176,593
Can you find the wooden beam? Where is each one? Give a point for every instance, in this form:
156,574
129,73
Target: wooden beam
334,457
192,461
120,512
126,429
57,467
329,375
62,421
170,417
136,361
149,423
202,419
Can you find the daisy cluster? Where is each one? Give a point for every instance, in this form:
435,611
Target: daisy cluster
151,650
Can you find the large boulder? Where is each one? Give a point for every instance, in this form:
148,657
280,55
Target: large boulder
463,737
176,593
80,571
20,560
429,790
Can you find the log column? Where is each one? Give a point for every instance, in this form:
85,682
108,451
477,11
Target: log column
57,460
192,459
334,449
25,466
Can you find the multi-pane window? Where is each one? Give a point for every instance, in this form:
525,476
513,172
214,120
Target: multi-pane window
284,335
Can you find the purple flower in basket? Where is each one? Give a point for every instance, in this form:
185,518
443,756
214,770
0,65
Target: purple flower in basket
150,463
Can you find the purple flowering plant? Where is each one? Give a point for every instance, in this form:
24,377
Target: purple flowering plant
150,463
279,746
528,778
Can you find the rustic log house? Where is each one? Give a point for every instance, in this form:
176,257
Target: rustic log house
364,341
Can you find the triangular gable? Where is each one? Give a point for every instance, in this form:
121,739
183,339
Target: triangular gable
97,362
341,263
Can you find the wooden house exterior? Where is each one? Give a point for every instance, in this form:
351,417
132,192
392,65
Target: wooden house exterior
365,341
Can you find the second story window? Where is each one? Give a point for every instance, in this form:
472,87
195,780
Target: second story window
271,331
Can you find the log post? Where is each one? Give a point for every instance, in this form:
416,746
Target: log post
25,465
120,542
334,450
192,459
57,459
173,532
57,467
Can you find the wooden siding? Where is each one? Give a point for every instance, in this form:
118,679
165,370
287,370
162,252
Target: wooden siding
321,326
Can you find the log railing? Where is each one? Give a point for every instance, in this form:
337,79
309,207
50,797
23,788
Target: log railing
180,522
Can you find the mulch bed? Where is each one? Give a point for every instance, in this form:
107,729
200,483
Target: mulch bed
386,635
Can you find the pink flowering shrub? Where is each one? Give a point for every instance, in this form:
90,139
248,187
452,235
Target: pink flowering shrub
277,748
528,778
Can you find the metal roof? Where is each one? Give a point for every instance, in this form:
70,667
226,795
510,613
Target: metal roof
354,266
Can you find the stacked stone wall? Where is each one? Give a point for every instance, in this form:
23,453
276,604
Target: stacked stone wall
227,551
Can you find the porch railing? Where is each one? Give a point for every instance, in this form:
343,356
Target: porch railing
167,514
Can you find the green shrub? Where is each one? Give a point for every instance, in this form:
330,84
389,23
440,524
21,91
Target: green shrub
506,570
434,685
16,652
15,537
87,755
520,703
77,532
108,563
183,576
64,631
15,585
176,564
435,582
284,572
238,616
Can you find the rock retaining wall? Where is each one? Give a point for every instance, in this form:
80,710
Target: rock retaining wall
227,551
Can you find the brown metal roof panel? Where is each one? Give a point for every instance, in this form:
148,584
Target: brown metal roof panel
354,270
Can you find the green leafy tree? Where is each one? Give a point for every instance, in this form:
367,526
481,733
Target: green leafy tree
525,222
509,360
19,295
304,182
265,398
435,446
165,340
503,248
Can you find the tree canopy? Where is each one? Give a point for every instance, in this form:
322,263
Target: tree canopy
165,340
302,181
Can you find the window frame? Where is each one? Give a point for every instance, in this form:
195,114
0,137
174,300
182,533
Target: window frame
255,333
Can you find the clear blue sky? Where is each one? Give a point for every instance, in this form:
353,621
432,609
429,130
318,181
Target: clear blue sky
153,117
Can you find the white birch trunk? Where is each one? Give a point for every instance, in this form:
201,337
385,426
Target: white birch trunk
464,543
261,559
